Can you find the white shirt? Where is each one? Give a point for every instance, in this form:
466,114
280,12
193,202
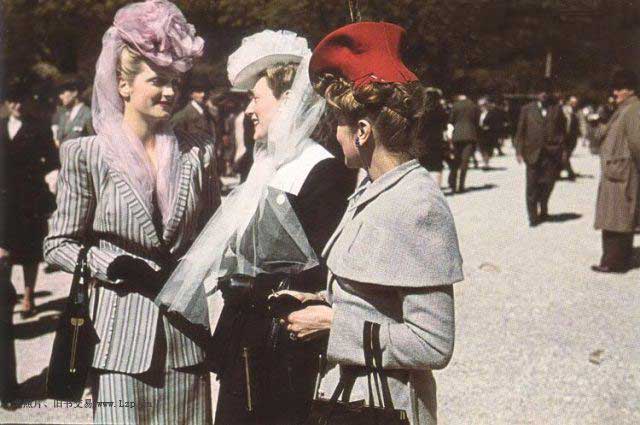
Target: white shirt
483,115
197,106
543,110
13,126
74,111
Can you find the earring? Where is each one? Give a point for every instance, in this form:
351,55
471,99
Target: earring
357,142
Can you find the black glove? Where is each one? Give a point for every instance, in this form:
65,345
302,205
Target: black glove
138,276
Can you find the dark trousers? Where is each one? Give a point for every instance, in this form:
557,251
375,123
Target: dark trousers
8,382
566,160
462,151
617,249
538,191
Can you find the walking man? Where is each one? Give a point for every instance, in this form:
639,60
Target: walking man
539,143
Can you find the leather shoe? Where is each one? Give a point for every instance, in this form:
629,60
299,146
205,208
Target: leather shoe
606,269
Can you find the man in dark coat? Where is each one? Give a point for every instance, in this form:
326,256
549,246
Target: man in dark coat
194,117
540,143
571,137
619,189
465,117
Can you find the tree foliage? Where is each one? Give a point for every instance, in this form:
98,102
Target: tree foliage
498,44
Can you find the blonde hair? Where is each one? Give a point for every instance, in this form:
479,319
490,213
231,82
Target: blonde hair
397,111
129,64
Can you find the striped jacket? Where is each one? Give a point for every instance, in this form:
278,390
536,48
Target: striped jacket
95,202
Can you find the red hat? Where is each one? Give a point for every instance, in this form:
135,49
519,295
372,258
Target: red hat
364,52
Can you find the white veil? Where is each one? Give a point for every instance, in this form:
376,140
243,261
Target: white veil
208,260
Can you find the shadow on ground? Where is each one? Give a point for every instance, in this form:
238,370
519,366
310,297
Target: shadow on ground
562,217
470,189
35,328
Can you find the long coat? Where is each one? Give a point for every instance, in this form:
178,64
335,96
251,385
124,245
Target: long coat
96,202
618,200
536,132
404,284
25,160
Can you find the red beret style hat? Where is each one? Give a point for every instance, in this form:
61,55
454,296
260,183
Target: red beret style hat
363,53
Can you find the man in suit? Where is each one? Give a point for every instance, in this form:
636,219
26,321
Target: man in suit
194,117
75,118
619,190
465,117
539,143
571,136
490,125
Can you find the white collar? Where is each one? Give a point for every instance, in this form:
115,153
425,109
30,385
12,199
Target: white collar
197,107
13,125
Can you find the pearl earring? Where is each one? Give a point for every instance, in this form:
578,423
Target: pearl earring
357,142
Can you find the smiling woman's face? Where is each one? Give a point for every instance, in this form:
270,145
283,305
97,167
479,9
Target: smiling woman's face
152,93
262,108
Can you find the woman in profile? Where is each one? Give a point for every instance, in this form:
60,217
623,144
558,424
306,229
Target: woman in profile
136,195
394,258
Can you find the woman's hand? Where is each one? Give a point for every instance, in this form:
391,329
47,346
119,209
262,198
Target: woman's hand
310,321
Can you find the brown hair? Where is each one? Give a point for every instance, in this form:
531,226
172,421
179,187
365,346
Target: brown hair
397,111
280,77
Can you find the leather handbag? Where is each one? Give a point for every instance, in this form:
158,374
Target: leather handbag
343,412
74,341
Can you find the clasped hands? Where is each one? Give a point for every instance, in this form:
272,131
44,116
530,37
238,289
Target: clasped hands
310,322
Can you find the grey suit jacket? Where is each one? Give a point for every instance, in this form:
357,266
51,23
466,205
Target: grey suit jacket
465,117
79,126
96,202
393,260
535,131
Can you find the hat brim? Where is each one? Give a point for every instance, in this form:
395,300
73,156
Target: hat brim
248,77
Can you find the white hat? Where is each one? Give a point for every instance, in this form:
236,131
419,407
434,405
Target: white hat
260,51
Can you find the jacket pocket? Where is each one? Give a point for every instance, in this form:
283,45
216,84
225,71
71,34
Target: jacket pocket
617,169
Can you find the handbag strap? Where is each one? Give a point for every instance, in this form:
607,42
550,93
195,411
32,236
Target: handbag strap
377,359
79,284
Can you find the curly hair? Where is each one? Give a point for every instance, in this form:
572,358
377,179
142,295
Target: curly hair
397,111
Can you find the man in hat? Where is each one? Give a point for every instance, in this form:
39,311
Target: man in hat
75,118
539,143
194,117
619,190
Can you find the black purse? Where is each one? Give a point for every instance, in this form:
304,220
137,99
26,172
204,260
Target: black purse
340,412
74,342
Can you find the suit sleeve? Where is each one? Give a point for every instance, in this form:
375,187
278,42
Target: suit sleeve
632,130
70,224
424,339
521,131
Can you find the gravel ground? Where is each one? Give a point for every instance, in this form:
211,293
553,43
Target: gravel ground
541,339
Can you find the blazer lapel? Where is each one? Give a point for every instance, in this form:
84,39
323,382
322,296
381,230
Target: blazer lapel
136,206
181,199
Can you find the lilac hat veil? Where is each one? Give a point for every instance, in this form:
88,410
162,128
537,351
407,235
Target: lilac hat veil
158,31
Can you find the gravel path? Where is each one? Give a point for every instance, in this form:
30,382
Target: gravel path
541,339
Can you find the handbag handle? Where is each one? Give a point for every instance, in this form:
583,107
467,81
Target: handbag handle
375,372
79,282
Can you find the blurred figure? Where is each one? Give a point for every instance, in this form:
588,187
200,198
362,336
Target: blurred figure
75,118
619,190
194,118
464,117
571,136
539,143
434,128
490,125
28,154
